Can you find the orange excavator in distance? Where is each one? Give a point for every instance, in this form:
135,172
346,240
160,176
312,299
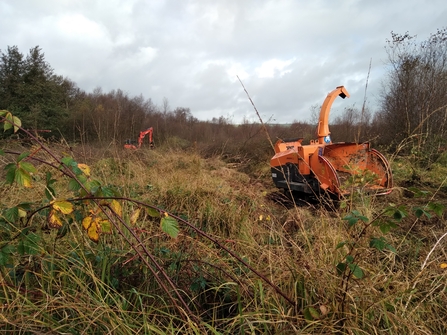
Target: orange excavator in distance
323,166
149,131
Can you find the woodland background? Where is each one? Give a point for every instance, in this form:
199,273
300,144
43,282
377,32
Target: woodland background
410,117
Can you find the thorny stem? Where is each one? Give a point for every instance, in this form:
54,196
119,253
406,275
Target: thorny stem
158,267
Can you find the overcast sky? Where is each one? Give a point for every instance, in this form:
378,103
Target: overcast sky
288,53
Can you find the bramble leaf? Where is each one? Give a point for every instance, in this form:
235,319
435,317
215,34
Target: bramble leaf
86,222
64,207
169,225
73,185
85,169
22,156
437,208
92,227
17,123
341,268
134,216
12,214
54,220
153,212
106,227
23,178
116,206
386,226
27,166
311,314
356,270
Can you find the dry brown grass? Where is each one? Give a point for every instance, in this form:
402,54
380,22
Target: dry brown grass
294,248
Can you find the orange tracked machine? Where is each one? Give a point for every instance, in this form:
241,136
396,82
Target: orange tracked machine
322,166
131,144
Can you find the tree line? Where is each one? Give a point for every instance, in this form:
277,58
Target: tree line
411,116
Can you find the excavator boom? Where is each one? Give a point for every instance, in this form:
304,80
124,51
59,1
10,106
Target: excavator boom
149,132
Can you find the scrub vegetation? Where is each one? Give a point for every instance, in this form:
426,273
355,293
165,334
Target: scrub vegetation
192,238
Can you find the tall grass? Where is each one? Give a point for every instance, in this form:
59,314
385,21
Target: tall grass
75,286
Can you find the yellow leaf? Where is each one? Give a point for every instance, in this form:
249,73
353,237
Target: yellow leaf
92,231
64,207
54,220
261,217
116,207
443,266
84,168
86,222
22,213
134,216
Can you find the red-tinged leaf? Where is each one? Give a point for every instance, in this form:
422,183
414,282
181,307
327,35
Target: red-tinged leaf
54,220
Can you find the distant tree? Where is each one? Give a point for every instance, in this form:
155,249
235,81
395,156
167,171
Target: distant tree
30,89
413,105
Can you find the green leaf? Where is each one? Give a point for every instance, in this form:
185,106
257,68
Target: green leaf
22,156
104,191
169,225
8,125
341,268
349,259
352,220
2,153
29,244
27,166
418,193
77,171
50,193
12,214
354,217
438,209
11,174
153,212
106,227
418,211
356,270
386,226
62,231
377,243
49,180
73,185
340,245
23,178
67,160
5,254
381,244
17,123
311,314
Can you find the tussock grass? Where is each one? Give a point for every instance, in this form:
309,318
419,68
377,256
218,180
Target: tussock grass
75,286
